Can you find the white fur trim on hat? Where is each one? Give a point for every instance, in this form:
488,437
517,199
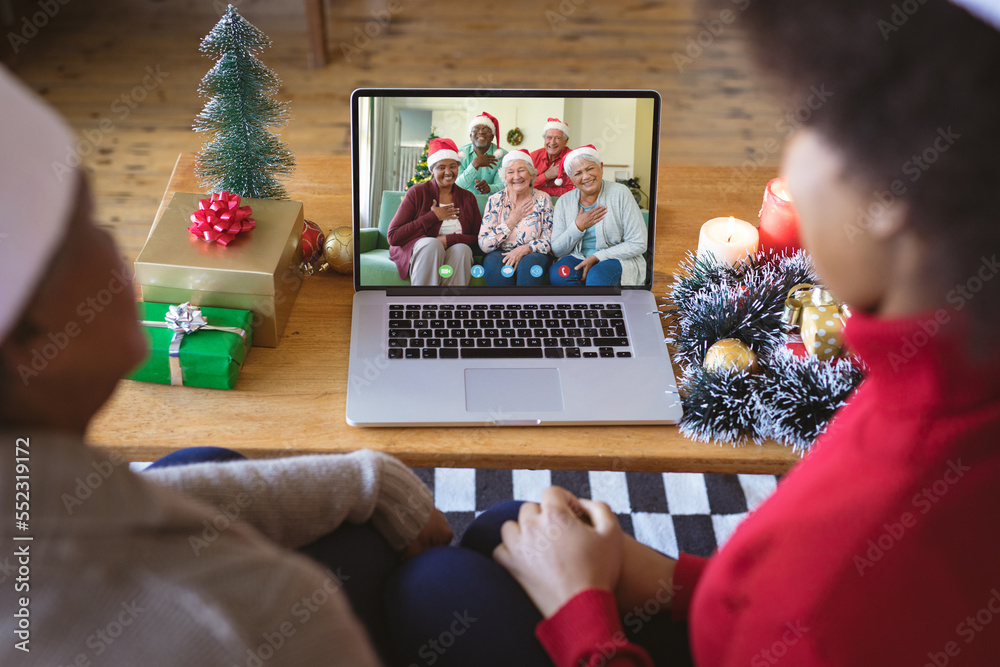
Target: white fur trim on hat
513,156
37,193
586,152
555,124
483,120
432,160
985,10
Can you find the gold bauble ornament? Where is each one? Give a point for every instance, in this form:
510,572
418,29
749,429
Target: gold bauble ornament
730,354
339,250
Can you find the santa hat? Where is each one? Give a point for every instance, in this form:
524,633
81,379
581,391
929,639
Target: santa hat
987,11
588,152
490,122
442,149
519,154
37,193
556,124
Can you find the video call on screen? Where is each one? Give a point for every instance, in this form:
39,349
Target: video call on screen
391,137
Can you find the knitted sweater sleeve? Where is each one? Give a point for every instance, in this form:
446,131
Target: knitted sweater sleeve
294,501
586,632
687,573
623,211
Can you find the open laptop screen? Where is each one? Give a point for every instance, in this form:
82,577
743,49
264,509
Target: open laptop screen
527,225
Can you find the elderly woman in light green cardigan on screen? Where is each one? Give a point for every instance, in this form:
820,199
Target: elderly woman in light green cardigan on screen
597,228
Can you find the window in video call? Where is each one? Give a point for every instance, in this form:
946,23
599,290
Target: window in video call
492,201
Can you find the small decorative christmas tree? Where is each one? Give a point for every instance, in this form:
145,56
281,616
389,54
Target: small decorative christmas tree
422,173
242,157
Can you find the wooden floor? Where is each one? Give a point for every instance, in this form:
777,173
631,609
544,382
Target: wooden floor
133,68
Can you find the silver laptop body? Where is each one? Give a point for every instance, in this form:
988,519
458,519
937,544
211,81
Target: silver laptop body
616,379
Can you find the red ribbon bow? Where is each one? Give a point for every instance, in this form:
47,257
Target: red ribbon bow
221,218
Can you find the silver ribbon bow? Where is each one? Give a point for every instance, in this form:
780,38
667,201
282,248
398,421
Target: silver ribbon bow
185,319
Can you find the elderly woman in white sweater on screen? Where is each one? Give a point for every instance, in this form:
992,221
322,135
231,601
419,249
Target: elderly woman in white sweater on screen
597,229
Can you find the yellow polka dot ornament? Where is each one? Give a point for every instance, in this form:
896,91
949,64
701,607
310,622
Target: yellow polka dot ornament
819,318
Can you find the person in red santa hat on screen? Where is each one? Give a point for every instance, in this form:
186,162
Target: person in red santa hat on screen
548,160
479,169
432,234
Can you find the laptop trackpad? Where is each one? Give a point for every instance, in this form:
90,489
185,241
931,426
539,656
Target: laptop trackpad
500,390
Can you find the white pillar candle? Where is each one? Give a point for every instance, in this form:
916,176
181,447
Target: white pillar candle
729,239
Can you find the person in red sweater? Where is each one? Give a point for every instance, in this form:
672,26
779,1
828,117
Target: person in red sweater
548,159
881,546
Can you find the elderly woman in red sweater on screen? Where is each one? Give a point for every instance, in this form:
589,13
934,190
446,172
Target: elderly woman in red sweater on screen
432,234
881,547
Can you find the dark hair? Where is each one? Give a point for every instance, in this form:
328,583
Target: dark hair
900,76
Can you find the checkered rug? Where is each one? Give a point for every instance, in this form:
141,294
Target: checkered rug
671,512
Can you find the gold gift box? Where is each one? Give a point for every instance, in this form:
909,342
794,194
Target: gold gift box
257,271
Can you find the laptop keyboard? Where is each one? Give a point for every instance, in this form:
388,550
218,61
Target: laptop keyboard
507,331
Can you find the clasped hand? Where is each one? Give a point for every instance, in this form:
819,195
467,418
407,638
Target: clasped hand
561,547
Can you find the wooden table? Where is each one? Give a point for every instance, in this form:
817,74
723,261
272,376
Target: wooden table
290,399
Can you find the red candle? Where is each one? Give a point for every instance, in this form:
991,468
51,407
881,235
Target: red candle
779,221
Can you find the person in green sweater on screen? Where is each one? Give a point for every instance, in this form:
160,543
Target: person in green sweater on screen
479,167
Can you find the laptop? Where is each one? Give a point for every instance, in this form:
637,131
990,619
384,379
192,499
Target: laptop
476,353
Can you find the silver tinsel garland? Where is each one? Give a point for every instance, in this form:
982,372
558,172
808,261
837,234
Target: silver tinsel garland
791,399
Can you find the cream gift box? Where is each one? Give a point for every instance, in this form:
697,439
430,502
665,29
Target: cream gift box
258,271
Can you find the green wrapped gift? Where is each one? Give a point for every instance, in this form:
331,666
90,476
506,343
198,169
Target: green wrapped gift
192,346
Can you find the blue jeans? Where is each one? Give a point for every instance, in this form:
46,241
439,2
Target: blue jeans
457,606
493,263
359,552
608,272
